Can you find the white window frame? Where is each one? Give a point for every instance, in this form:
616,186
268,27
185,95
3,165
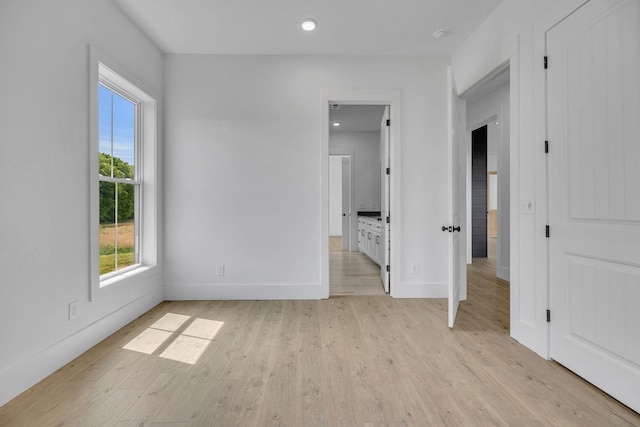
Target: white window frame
115,87
146,223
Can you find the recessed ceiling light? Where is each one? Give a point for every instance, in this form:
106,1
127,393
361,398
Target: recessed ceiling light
309,24
335,124
438,34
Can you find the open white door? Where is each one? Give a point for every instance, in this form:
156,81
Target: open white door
453,226
346,203
593,84
384,198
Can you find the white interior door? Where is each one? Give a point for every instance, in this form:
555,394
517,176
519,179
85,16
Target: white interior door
594,195
385,163
453,228
346,203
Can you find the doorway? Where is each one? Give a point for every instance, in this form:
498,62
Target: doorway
340,211
487,110
388,97
479,199
481,115
356,198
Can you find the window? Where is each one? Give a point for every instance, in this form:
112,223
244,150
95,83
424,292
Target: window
119,176
123,167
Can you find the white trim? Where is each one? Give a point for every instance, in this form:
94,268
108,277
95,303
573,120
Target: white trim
146,167
353,221
392,98
120,180
491,115
24,374
239,291
422,290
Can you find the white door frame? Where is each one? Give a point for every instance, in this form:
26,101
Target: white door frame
353,219
391,98
346,203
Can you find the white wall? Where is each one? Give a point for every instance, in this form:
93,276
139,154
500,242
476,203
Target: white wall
514,32
492,145
44,176
244,165
335,196
366,146
489,109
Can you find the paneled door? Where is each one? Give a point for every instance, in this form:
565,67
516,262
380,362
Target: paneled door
385,198
346,203
457,264
593,84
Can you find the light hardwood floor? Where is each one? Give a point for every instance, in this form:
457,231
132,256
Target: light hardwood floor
346,361
353,273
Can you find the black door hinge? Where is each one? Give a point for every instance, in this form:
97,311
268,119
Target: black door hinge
388,269
388,220
546,63
388,171
546,147
548,316
388,122
546,231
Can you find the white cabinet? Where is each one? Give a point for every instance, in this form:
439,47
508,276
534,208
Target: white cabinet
370,238
361,234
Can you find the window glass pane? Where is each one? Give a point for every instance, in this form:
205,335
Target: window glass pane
116,139
124,115
126,225
117,232
104,130
107,227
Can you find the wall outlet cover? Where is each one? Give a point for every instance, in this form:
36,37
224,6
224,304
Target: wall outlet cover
73,310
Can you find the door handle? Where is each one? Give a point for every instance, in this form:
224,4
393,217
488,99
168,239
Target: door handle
450,228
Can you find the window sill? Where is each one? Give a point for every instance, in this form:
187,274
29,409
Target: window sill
141,272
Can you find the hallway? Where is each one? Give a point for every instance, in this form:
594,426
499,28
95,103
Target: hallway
353,273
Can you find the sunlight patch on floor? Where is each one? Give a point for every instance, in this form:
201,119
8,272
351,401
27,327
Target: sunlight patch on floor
170,322
186,347
148,341
203,328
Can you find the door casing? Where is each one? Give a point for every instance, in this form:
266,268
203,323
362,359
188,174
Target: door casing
392,98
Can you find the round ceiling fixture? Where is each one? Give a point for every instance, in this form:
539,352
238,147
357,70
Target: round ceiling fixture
438,34
335,124
309,24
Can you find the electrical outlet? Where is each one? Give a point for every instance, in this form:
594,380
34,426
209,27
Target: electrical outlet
220,270
73,310
415,269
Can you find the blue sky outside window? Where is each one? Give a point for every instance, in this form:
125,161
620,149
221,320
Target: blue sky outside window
116,125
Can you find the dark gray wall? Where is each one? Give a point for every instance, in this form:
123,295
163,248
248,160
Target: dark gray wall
479,192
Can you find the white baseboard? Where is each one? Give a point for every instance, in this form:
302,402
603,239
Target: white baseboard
503,273
420,290
20,376
243,292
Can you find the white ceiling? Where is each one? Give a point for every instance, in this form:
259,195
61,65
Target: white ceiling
345,27
356,117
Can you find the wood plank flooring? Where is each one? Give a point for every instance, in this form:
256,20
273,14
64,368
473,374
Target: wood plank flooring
346,361
353,273
335,243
